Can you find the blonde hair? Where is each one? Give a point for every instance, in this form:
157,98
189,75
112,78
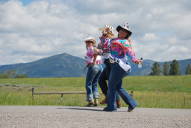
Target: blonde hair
107,30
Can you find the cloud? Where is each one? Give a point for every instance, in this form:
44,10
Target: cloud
46,27
150,37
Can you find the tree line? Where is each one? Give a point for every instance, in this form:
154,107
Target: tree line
12,74
169,69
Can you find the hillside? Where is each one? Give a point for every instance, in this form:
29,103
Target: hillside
62,65
65,65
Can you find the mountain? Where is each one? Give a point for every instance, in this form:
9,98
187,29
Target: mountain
147,65
65,65
62,65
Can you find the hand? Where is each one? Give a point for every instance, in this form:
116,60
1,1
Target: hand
138,61
97,51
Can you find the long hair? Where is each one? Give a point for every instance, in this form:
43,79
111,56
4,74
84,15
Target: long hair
107,31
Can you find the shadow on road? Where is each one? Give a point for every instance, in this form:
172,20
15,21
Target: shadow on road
84,108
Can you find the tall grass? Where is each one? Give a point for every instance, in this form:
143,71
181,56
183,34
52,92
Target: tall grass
149,91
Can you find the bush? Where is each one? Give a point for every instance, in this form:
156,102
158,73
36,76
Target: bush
21,76
3,76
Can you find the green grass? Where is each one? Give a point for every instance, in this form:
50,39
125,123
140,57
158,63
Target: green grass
149,91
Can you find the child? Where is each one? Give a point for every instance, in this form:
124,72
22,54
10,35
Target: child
93,61
107,34
121,50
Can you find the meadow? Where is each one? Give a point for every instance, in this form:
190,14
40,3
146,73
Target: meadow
149,91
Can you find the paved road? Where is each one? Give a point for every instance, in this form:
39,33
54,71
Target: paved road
84,117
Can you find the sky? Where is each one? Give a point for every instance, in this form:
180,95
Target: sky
34,29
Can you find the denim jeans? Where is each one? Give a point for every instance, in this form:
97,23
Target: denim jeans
92,77
104,77
115,85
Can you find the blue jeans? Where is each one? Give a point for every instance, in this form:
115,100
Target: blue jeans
92,77
115,85
104,77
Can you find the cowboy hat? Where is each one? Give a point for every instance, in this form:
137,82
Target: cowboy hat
90,39
124,27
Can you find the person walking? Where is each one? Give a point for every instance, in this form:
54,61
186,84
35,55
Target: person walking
121,52
107,34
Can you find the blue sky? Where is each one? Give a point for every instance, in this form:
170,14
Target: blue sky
41,28
25,2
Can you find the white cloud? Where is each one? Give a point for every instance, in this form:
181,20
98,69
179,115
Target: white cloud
150,37
47,27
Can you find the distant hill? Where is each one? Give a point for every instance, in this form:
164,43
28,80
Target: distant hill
62,65
147,64
65,65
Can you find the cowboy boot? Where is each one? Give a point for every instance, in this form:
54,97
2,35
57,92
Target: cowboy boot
96,102
90,104
118,103
103,101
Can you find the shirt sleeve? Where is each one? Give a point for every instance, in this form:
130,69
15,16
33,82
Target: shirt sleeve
130,52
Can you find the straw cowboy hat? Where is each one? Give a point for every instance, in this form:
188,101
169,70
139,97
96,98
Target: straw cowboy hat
124,27
90,40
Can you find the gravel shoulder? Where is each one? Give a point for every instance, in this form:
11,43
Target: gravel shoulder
94,117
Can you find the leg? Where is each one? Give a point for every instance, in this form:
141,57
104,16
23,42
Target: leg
125,96
102,81
89,81
98,69
118,103
114,79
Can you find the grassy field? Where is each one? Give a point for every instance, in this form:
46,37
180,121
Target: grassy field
149,91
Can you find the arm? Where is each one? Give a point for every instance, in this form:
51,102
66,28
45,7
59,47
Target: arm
131,54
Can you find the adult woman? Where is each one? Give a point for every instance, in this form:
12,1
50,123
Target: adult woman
107,34
121,50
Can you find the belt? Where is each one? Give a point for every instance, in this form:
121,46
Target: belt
113,60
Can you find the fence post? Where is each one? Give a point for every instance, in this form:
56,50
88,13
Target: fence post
32,93
184,101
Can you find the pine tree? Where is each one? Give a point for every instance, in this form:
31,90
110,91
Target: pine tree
166,69
188,69
174,68
155,69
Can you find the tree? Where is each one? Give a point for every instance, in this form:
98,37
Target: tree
174,68
188,69
155,69
166,69
10,73
21,76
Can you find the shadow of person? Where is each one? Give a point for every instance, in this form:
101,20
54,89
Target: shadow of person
84,108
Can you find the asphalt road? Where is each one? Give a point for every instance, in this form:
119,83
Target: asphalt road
94,117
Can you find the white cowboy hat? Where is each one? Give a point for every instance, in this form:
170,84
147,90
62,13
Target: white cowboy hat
90,39
124,27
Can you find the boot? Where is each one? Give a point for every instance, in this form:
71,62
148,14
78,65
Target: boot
103,101
90,104
118,103
96,102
